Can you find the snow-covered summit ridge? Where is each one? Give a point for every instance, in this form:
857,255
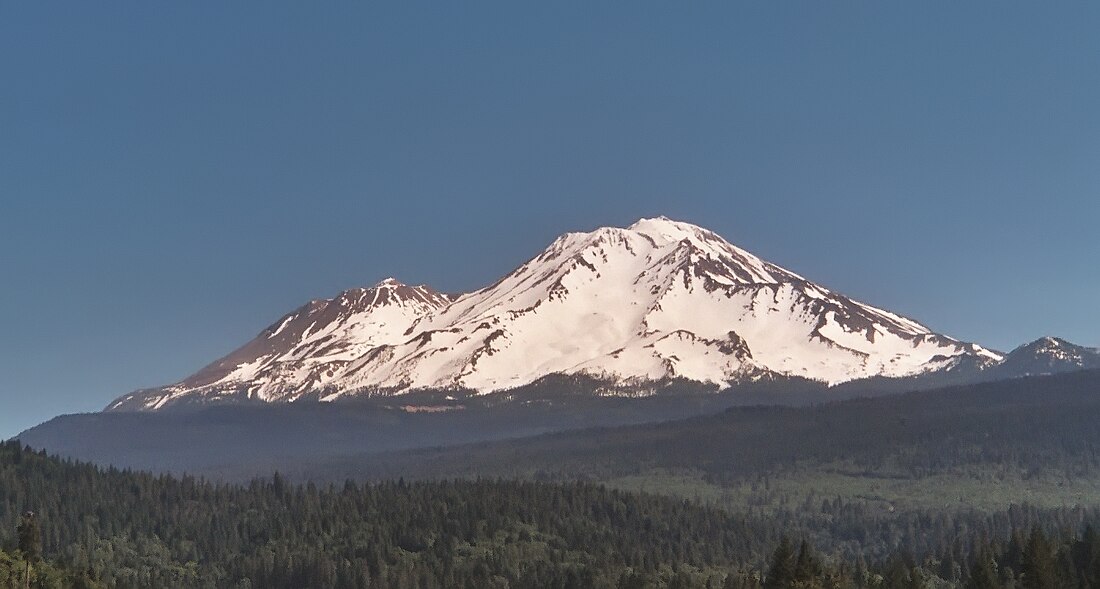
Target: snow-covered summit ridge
1048,355
656,300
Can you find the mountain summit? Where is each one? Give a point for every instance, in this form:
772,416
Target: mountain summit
1049,355
657,300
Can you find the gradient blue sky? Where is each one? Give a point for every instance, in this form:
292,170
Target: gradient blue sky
175,176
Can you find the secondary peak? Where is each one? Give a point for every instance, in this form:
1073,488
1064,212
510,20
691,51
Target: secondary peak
390,282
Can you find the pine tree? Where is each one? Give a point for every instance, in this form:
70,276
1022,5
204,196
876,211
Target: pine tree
30,544
781,571
1039,567
1088,557
897,574
982,573
807,568
740,580
30,537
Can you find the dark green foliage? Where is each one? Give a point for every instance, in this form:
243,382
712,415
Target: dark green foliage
983,573
1039,565
741,579
138,530
16,571
1086,557
30,537
1029,424
781,570
125,529
239,442
900,573
121,529
807,567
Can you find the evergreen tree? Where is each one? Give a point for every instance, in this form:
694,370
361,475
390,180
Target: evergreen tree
109,528
897,574
781,570
30,537
740,580
807,568
30,544
983,575
1039,567
1087,558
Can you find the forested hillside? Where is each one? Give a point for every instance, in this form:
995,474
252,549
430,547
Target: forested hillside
948,488
238,442
23,566
1008,432
122,529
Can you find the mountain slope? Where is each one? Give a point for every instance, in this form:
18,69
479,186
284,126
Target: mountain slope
655,301
1048,355
1042,422
305,349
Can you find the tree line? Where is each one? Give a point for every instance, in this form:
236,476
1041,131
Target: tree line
77,525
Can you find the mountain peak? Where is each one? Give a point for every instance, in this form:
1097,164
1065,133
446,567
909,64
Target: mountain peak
1047,342
1048,355
393,291
658,300
667,228
658,220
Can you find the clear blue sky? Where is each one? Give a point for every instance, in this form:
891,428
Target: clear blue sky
175,176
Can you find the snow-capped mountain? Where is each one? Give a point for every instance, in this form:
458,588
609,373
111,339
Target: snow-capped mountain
306,349
657,300
1048,355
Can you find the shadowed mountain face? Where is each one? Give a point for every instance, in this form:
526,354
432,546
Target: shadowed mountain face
396,436
1034,422
255,439
629,307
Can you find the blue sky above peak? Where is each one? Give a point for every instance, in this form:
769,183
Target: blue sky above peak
174,177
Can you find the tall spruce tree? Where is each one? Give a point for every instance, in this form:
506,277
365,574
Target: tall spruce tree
1086,554
983,575
807,567
30,537
1040,570
781,570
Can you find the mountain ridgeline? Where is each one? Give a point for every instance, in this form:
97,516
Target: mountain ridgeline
720,436
1025,426
631,308
659,321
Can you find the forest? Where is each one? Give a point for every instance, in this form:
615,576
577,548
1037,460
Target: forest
1030,424
109,528
991,485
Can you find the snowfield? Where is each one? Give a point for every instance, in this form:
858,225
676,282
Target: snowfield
659,299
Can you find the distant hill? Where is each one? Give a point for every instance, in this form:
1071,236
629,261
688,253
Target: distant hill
1047,422
239,441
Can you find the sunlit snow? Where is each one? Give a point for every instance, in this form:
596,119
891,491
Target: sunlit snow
658,299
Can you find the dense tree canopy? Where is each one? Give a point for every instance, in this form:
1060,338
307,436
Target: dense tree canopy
122,529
